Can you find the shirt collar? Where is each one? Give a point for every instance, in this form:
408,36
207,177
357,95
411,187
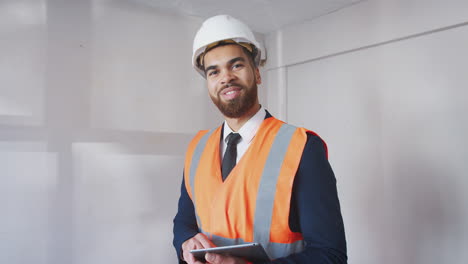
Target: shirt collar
249,129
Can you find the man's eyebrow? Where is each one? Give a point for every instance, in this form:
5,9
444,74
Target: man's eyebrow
230,62
236,59
212,67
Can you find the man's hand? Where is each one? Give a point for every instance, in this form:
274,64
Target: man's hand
220,259
196,242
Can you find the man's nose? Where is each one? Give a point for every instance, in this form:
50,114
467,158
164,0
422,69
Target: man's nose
227,77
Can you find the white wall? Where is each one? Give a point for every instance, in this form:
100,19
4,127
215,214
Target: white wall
98,101
384,83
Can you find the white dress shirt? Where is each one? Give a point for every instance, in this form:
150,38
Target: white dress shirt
247,133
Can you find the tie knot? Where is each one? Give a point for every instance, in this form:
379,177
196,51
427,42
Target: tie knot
233,138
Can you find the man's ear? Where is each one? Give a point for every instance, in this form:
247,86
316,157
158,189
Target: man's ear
258,77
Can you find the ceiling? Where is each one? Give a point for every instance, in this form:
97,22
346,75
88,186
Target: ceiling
262,16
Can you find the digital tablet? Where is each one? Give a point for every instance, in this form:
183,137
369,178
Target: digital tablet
251,252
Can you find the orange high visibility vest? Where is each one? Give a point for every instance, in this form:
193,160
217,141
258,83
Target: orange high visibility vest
253,203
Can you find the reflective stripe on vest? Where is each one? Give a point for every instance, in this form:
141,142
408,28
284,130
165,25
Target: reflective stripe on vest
266,194
194,165
265,197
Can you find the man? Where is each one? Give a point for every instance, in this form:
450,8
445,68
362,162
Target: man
254,178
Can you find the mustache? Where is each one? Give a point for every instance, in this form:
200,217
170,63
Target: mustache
226,86
231,84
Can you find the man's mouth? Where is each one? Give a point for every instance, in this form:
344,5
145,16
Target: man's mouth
231,92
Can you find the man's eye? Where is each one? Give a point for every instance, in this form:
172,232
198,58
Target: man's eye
212,73
238,65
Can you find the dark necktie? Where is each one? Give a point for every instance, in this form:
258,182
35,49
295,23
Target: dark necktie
230,156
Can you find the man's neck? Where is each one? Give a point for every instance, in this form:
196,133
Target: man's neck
236,123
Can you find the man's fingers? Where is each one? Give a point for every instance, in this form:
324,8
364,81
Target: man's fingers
186,247
189,258
213,258
204,241
197,242
197,245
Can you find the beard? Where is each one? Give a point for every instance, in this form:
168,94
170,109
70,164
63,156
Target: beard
238,106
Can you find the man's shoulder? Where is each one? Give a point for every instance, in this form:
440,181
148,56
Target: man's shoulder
314,140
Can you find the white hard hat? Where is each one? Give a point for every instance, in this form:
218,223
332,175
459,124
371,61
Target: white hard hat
223,28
